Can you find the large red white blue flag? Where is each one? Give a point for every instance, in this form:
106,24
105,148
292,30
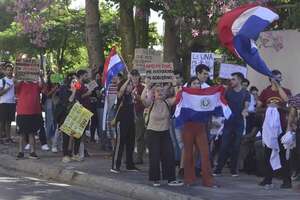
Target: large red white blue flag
113,65
199,105
239,29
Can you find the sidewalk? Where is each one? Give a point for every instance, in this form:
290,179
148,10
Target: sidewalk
94,173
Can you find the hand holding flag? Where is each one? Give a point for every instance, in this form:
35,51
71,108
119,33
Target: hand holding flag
114,64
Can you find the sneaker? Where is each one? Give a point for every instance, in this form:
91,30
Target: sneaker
132,169
268,186
156,184
235,175
27,147
217,174
286,186
296,176
77,158
175,183
20,155
45,147
115,171
66,159
33,156
54,150
264,183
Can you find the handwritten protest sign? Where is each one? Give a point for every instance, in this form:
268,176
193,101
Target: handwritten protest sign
227,69
57,78
159,72
92,85
76,121
202,58
27,70
143,56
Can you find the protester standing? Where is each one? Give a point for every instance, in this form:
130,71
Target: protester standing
83,97
67,98
161,152
49,92
238,100
139,116
29,114
7,103
274,98
195,133
125,127
109,112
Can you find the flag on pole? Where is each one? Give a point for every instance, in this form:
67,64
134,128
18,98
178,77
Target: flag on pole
113,65
198,105
239,29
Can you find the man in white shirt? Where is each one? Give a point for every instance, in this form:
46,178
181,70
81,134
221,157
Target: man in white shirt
7,103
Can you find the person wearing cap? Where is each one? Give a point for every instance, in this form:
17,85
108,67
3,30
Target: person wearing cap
139,118
276,96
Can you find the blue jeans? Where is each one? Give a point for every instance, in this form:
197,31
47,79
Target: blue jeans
230,146
177,149
49,119
101,133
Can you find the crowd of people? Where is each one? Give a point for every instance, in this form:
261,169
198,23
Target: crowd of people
133,114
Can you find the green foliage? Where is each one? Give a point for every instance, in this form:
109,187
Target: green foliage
6,17
154,37
109,25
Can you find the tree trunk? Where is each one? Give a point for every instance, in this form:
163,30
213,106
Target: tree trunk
142,14
171,42
93,38
127,31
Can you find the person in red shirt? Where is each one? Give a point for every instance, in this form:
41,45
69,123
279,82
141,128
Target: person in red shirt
29,114
139,115
276,96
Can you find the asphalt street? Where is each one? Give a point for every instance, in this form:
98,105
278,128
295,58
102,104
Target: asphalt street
30,188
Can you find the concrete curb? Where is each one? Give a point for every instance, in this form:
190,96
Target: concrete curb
130,190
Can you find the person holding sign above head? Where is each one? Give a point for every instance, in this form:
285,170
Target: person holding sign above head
161,151
29,114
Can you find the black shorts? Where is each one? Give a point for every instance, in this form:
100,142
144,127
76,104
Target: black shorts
7,112
29,124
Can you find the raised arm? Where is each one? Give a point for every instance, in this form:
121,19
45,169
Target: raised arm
292,119
124,86
147,95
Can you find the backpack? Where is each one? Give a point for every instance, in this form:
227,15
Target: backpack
148,112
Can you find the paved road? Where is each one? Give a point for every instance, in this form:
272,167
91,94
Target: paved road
29,188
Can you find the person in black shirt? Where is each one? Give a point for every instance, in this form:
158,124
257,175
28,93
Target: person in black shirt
97,105
125,128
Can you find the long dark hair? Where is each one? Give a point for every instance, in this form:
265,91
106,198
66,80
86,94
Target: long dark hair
192,79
